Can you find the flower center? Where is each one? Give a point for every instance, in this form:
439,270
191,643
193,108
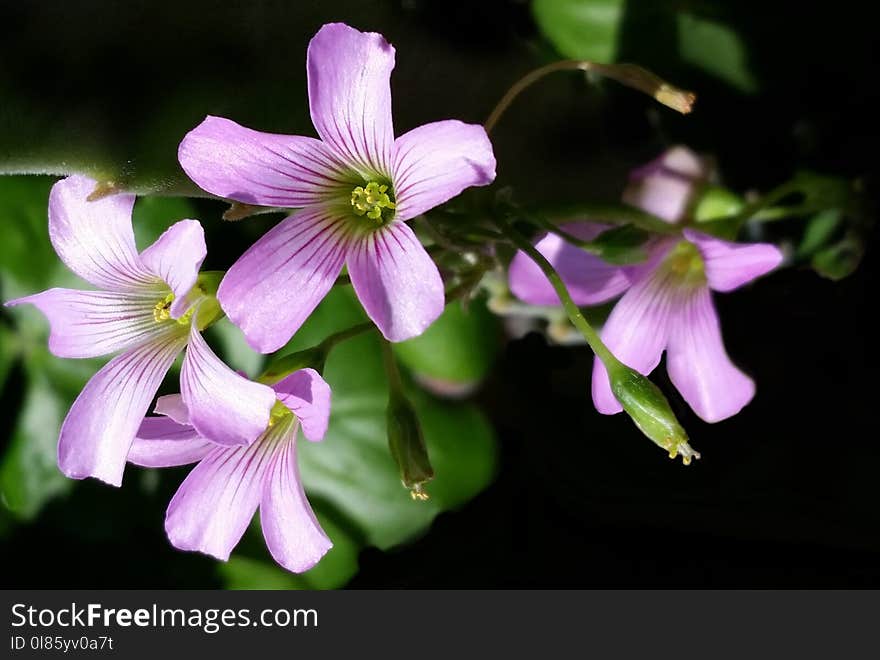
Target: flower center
279,411
373,201
162,311
685,263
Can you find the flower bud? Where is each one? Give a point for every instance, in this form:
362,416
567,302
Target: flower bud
665,187
407,446
645,404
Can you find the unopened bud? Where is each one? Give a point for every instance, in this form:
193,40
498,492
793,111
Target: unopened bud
666,186
407,446
645,404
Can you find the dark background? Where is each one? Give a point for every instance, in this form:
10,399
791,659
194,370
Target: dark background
787,492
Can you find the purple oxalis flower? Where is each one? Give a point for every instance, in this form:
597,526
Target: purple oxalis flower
355,188
667,302
149,309
214,505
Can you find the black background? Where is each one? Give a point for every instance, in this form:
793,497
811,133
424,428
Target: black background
787,493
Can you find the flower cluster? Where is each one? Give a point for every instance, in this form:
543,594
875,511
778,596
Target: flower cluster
348,195
667,301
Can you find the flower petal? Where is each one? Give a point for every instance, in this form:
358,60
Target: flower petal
435,162
162,442
636,332
92,323
276,284
172,405
350,95
307,395
216,502
223,406
589,279
396,281
293,535
176,257
102,422
238,163
665,186
699,366
730,265
95,239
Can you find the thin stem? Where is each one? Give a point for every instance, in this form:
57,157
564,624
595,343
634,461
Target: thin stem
345,335
626,74
395,383
571,309
313,357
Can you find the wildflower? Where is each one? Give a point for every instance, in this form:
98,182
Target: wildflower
355,187
214,505
667,304
150,307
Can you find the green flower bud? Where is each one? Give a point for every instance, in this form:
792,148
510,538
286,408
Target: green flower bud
407,446
645,404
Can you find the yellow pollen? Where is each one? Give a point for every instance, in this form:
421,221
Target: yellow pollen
371,200
162,311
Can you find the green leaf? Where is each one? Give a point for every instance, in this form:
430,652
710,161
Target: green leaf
841,259
27,260
581,29
152,215
716,49
458,349
352,468
819,231
29,476
234,348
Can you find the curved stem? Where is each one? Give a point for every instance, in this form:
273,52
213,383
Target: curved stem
630,75
571,309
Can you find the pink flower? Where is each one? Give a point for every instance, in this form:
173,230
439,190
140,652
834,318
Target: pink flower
667,301
355,187
147,310
214,505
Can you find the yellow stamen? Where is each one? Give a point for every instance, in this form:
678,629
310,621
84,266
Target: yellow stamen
372,200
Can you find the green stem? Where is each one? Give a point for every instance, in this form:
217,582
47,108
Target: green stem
345,335
571,309
395,383
313,357
626,74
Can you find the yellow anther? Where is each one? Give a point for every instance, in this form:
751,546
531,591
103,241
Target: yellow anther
419,493
371,200
162,310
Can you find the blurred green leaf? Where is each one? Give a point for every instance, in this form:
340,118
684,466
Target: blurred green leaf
152,215
819,231
457,349
29,476
27,260
716,49
9,352
234,348
581,29
839,260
